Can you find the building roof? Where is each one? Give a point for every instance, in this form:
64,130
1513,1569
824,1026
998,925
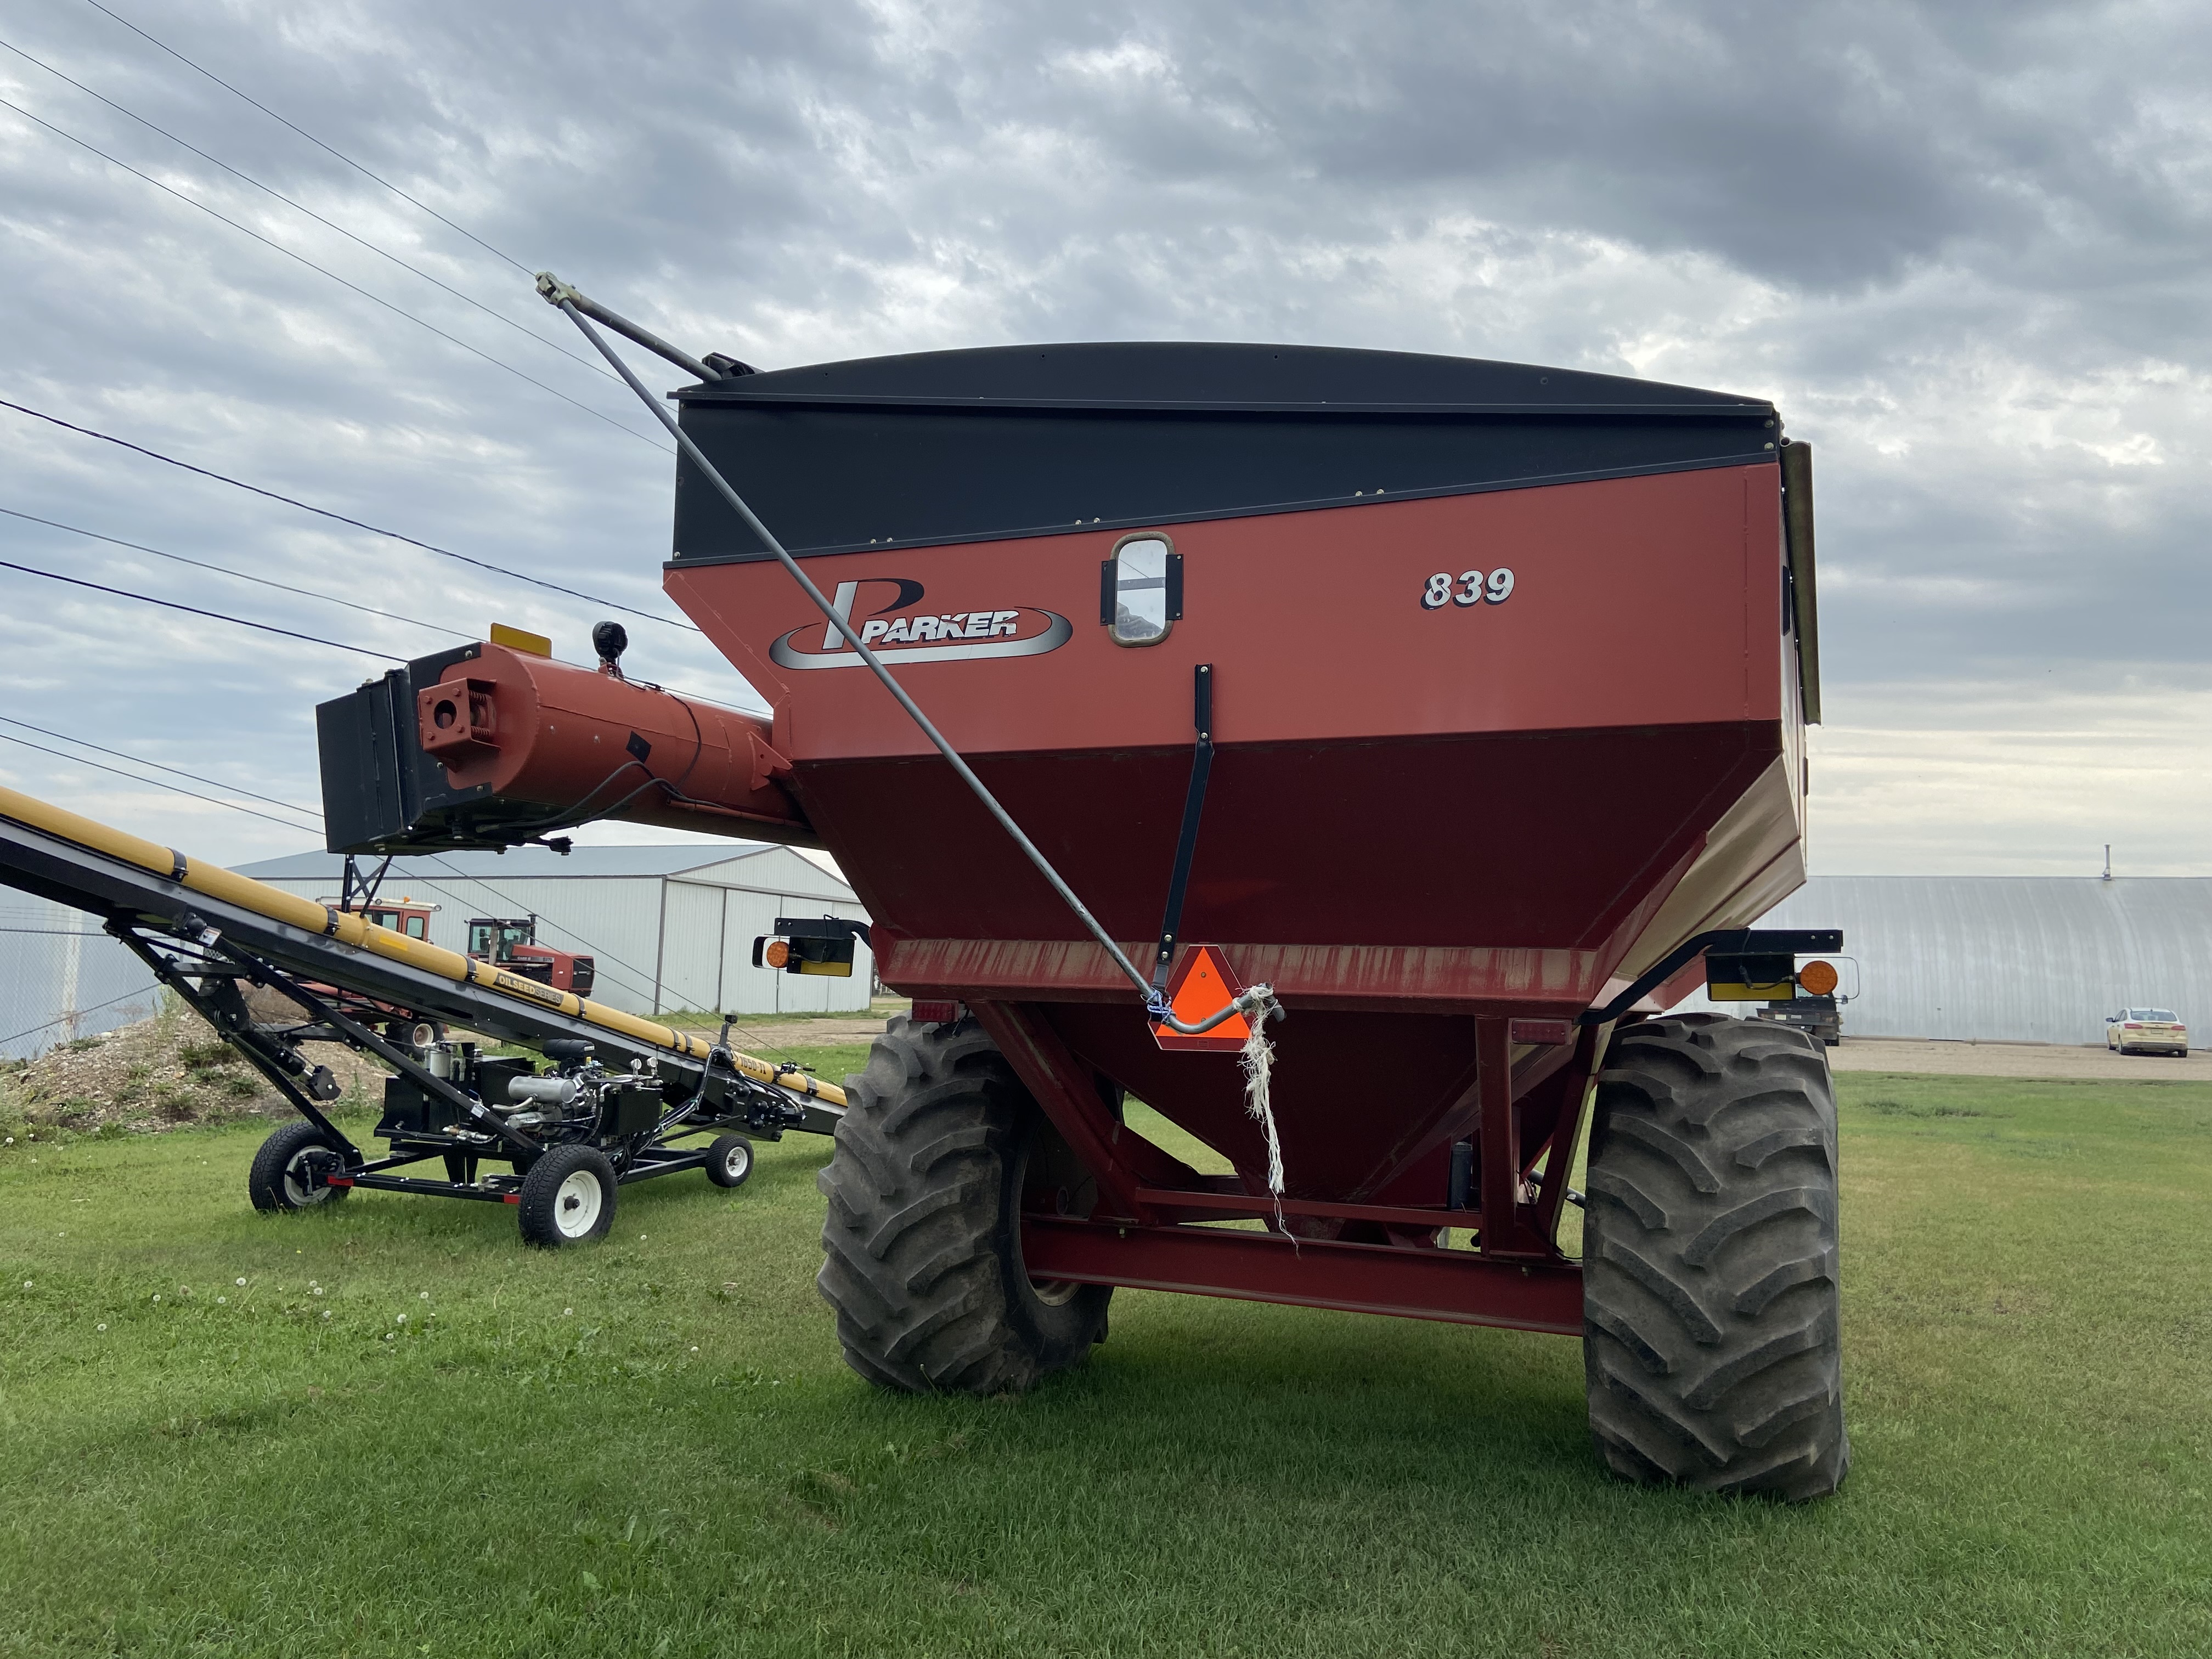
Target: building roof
538,862
2012,958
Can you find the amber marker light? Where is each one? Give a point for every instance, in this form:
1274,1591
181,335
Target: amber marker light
777,952
1818,977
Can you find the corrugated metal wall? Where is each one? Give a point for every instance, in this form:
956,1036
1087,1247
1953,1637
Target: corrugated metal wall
2013,958
701,958
61,977
615,919
750,915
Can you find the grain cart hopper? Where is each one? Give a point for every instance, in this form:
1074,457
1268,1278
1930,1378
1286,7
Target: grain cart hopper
1456,708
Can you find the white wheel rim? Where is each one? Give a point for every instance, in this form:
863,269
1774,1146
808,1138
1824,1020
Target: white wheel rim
737,1161
295,1179
576,1204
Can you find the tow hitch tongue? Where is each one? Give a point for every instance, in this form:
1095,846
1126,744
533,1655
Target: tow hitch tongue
1257,1003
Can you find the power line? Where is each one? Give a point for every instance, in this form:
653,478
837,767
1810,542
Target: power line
140,760
285,587
79,760
642,980
193,609
311,137
74,1014
397,311
237,575
340,518
385,253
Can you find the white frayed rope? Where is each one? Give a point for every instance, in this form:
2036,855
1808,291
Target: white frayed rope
1258,1061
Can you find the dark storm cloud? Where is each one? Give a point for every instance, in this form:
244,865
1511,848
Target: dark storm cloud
1963,245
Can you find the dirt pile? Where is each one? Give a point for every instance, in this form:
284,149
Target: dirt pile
165,1072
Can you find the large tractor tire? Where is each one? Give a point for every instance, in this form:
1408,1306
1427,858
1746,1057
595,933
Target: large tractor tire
922,1242
1709,1261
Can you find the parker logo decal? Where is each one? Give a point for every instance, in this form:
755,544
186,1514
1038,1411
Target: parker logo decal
898,631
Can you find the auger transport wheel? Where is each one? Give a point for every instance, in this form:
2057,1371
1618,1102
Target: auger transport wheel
923,1241
730,1160
1709,1261
568,1197
285,1170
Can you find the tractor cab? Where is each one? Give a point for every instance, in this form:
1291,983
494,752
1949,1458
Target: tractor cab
511,942
405,916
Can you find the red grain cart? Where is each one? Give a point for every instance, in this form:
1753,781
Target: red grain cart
1504,673
1510,670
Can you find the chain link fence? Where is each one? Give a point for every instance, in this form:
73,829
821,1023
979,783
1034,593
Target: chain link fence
62,978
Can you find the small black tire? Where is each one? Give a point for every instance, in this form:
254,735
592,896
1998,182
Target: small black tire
568,1198
418,1036
279,1178
922,1255
730,1161
1711,1296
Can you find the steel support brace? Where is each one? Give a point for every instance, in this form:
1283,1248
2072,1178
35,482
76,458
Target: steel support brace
1455,1286
1505,1230
1118,1156
1566,1129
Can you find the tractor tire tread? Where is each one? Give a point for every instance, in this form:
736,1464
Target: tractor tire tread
1710,1291
921,1242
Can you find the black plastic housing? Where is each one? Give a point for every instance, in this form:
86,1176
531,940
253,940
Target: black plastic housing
950,447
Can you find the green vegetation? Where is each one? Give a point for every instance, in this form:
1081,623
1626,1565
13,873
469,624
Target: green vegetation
651,1447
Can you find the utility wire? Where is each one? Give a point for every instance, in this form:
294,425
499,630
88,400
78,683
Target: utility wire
285,587
397,311
79,760
642,981
311,137
237,575
140,760
79,1013
340,518
193,609
300,207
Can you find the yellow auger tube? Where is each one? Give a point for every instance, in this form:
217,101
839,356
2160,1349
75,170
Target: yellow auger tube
348,929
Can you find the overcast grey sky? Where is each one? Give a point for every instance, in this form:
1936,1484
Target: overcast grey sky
1964,247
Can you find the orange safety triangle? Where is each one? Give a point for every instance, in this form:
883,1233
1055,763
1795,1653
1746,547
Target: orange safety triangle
1202,982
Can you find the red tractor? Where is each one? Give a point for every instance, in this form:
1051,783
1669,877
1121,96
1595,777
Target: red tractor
408,917
512,943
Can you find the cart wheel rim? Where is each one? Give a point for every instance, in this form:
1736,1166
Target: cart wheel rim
737,1161
576,1205
299,1187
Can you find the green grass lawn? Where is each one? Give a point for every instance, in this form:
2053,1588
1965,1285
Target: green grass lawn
651,1447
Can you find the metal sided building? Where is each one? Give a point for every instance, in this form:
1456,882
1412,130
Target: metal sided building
670,928
2011,958
61,977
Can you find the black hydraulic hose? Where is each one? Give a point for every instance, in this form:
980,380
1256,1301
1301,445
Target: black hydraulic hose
1259,1000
